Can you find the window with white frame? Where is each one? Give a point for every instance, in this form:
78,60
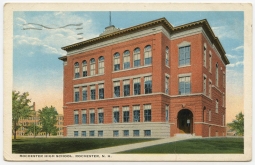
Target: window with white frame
184,85
115,133
147,85
93,92
83,133
137,57
76,70
210,89
147,113
204,85
167,56
125,132
76,133
137,86
100,115
100,133
101,65
76,94
210,61
91,133
101,91
92,67
84,93
147,55
204,55
210,115
125,114
217,106
217,74
166,85
76,117
92,116
223,100
116,115
136,133
126,85
116,62
136,113
147,132
116,89
84,116
84,69
167,113
223,120
184,55
126,58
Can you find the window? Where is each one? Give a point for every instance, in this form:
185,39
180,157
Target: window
126,84
84,93
136,113
184,56
92,116
147,85
76,133
92,92
167,56
100,115
184,85
101,65
125,114
210,61
223,120
84,117
76,94
125,132
217,106
137,57
137,86
126,59
204,85
116,114
84,69
204,55
223,100
91,133
76,117
100,133
83,133
223,79
147,113
76,70
147,55
166,85
210,115
167,113
115,133
147,132
136,132
116,62
92,67
116,87
210,89
217,74
101,91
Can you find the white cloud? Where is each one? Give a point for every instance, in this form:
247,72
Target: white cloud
239,63
238,48
21,20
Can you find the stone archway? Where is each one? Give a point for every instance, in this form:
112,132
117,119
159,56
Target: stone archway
185,121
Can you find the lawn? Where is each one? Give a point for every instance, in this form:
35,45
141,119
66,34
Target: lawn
66,145
195,146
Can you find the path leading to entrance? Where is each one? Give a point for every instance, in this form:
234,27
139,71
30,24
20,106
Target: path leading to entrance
115,149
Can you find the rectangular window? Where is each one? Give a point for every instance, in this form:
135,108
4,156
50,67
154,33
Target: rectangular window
210,62
204,85
223,120
84,70
136,113
147,58
116,87
116,114
125,114
137,58
126,84
115,133
204,56
101,67
167,113
147,113
223,100
84,93
116,63
210,115
92,69
147,132
184,85
126,61
223,79
101,91
217,106
136,132
76,133
100,115
76,117
167,56
184,56
100,133
166,85
84,117
210,89
125,132
83,133
91,133
92,117
76,94
137,86
92,92
147,85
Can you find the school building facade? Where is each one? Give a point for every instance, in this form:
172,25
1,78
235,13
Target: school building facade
150,80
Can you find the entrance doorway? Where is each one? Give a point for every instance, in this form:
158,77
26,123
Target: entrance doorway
185,121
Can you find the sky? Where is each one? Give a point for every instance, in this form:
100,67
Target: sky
37,69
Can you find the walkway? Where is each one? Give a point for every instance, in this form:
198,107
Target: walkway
115,149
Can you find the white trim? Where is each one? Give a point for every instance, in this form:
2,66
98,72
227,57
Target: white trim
184,43
88,84
145,66
187,95
209,124
88,76
216,88
167,75
184,75
183,66
132,77
204,75
187,33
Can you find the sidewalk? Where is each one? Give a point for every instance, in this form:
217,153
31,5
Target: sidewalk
115,149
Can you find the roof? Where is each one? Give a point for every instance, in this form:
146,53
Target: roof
161,21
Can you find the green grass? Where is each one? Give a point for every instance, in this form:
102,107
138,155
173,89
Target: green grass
196,146
66,145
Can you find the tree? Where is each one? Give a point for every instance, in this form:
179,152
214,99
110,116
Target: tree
33,128
20,108
48,119
238,124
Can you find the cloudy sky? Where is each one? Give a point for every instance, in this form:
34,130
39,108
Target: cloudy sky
37,70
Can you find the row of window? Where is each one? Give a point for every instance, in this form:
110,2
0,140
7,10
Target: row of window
115,133
210,117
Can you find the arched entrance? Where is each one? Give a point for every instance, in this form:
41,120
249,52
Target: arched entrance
185,121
